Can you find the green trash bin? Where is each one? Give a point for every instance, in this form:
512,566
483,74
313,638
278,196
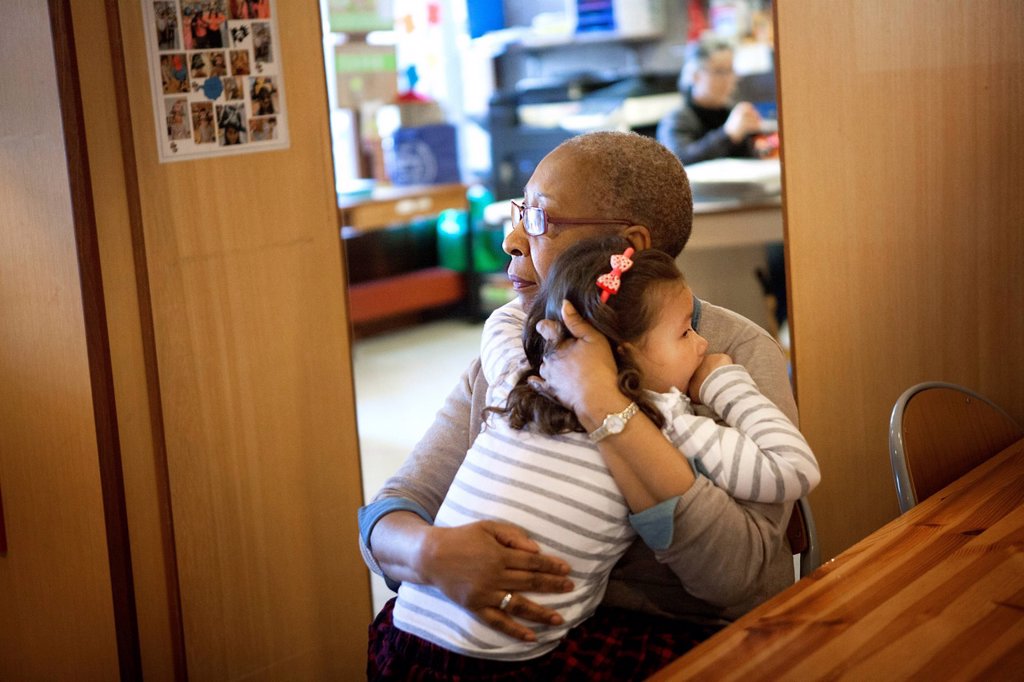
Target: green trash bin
452,226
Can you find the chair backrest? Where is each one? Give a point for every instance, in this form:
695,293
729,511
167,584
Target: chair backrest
803,537
940,431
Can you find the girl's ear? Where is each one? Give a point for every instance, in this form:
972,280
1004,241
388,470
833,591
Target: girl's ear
639,236
626,349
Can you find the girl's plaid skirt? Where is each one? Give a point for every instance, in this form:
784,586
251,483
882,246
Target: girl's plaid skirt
613,644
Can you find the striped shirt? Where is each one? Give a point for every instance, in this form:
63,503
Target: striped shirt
764,458
559,491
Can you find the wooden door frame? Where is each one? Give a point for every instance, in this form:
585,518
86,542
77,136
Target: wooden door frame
97,343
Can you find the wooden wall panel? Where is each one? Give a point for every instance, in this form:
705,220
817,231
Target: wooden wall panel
56,608
902,172
252,352
136,385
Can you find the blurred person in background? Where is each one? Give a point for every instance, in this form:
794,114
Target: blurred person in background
710,125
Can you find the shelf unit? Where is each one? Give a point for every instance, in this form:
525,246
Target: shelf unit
390,208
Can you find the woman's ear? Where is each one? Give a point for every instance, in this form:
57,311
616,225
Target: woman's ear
639,236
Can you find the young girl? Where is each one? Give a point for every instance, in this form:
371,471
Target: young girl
533,465
511,351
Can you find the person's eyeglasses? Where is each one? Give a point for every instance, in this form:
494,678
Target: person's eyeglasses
720,73
536,219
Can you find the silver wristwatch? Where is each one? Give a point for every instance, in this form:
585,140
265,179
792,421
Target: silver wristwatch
613,423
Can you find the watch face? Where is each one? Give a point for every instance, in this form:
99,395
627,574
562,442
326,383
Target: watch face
615,424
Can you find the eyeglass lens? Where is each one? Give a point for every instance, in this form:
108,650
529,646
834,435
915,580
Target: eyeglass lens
536,221
533,218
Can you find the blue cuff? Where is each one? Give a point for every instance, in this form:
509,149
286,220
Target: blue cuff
375,511
657,524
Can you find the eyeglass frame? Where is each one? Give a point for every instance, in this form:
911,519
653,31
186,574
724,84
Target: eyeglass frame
521,209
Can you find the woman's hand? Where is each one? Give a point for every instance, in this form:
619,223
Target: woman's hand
710,364
476,565
580,372
582,375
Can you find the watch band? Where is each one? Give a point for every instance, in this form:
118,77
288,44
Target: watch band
613,423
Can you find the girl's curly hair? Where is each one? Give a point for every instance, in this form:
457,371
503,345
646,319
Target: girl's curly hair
625,318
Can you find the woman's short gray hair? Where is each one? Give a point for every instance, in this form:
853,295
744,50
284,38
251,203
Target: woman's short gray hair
635,178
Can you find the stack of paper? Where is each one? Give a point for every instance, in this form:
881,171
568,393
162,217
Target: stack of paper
735,178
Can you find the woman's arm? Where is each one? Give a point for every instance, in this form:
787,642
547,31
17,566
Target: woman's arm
473,565
582,375
719,549
724,551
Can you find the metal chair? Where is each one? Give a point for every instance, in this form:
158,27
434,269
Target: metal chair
803,537
940,431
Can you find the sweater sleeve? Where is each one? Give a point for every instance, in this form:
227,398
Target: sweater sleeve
750,346
422,481
727,552
758,455
368,518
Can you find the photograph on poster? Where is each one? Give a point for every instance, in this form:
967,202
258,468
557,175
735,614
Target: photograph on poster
173,74
263,128
250,9
177,121
205,23
216,80
231,121
262,43
240,63
207,64
167,26
202,123
263,95
233,88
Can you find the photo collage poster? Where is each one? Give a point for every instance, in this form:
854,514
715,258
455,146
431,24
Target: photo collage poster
215,70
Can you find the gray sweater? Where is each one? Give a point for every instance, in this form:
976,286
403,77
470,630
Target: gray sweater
726,556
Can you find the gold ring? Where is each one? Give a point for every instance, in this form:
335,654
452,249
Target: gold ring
505,601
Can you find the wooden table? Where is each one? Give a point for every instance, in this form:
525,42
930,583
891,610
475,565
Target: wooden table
937,594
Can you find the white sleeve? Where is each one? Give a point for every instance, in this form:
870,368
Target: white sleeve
760,456
502,357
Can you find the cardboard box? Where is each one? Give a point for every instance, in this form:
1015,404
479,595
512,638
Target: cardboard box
360,16
391,117
426,155
366,73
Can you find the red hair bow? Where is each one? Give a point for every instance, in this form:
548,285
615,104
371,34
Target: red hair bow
611,282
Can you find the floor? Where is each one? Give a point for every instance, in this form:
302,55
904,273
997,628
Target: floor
402,379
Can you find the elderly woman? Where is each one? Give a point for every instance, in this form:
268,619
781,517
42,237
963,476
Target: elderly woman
716,557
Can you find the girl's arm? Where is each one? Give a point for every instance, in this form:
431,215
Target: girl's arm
758,455
501,351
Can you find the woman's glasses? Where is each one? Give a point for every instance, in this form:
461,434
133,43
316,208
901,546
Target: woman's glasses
536,219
